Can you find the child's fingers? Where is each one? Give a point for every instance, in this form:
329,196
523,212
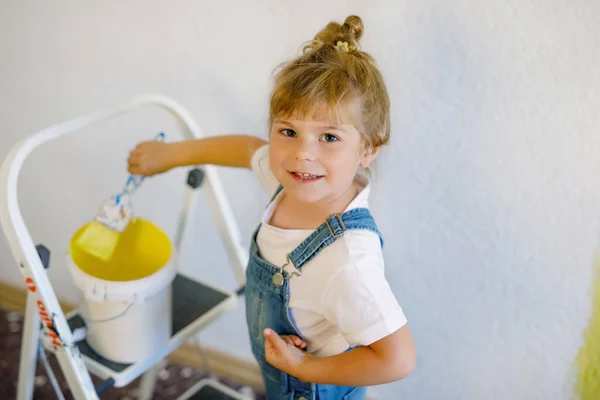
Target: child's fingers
295,341
273,339
142,144
288,340
136,152
133,168
299,342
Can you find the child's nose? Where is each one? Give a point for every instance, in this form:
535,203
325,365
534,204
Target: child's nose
306,150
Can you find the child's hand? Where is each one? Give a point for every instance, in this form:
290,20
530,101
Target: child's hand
150,158
284,352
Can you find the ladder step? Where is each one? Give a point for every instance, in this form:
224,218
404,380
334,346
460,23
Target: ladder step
210,389
194,306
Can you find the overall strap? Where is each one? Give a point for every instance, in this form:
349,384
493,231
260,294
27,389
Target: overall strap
334,227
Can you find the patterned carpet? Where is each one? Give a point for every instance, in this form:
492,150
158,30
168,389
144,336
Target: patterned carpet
173,379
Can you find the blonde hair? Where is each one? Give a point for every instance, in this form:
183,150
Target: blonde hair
335,79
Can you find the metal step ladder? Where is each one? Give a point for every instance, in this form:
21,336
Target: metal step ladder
194,304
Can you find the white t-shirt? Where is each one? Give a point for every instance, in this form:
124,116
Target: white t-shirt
342,298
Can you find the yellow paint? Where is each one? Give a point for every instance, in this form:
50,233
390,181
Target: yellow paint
142,250
588,360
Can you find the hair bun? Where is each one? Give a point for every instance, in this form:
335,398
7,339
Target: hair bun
353,26
348,33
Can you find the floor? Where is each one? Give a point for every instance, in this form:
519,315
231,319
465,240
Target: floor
172,380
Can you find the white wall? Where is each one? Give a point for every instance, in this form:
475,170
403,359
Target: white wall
489,196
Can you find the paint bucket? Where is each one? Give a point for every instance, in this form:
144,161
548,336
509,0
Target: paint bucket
127,300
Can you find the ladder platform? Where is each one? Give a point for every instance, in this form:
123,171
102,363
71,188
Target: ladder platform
210,389
194,306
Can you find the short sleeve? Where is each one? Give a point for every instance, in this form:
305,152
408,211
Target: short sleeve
360,302
261,168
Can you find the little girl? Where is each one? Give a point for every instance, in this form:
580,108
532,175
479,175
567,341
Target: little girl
322,320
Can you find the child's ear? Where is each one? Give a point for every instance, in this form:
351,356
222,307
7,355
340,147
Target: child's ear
368,156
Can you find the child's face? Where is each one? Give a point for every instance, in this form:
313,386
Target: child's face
316,160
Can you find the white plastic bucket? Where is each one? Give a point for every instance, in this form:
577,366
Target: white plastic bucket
127,300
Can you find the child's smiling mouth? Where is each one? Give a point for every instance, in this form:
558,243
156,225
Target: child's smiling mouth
305,177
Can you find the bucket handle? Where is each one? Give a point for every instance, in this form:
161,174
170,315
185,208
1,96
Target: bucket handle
120,314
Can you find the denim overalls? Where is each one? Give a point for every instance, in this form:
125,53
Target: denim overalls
267,295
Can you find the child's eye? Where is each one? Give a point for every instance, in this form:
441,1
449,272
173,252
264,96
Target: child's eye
288,132
328,137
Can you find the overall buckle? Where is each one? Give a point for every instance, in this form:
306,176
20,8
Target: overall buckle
342,225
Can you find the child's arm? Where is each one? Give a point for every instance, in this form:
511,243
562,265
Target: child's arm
389,359
152,157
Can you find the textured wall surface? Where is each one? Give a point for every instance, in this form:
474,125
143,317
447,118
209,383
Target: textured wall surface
488,194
